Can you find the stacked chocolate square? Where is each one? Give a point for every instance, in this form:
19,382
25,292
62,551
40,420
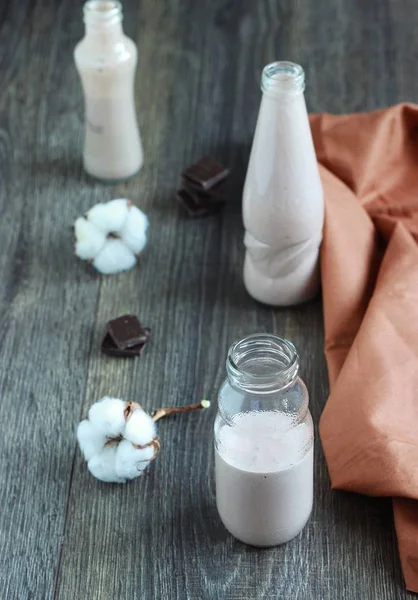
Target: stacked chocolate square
203,187
125,336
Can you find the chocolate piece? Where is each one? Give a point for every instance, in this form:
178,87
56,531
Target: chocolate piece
126,331
194,209
216,195
110,348
206,173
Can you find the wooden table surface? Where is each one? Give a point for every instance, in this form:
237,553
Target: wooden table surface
64,535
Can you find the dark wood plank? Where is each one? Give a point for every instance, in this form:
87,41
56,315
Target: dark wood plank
64,535
46,300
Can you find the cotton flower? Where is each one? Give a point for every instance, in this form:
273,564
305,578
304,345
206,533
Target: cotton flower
111,235
118,440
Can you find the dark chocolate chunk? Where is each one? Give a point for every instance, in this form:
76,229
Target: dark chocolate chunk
194,209
206,173
126,331
216,195
110,348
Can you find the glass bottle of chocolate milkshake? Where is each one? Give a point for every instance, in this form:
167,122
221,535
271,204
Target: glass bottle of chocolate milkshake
283,205
263,443
106,61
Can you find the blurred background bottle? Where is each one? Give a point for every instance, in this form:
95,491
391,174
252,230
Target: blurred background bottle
106,61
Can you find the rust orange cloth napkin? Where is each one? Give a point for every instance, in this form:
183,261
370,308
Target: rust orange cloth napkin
369,427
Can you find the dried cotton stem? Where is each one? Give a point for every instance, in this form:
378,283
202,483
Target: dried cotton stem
159,413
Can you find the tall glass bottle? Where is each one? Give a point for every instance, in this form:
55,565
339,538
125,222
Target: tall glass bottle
106,60
283,206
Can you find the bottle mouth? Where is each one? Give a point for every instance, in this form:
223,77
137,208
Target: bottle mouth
102,12
262,362
283,77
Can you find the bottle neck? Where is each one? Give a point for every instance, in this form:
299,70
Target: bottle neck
103,19
283,80
262,364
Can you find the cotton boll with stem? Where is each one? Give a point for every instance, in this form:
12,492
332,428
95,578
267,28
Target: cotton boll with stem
119,440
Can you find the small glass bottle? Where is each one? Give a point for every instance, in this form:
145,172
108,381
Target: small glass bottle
106,60
263,443
283,205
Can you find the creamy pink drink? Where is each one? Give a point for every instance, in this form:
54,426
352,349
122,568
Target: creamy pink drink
264,487
106,61
263,443
283,206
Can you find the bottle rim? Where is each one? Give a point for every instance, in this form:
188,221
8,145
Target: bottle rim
262,362
102,12
283,77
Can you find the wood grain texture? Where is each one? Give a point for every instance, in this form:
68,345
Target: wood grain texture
63,535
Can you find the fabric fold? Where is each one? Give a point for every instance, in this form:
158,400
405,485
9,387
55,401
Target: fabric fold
369,265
